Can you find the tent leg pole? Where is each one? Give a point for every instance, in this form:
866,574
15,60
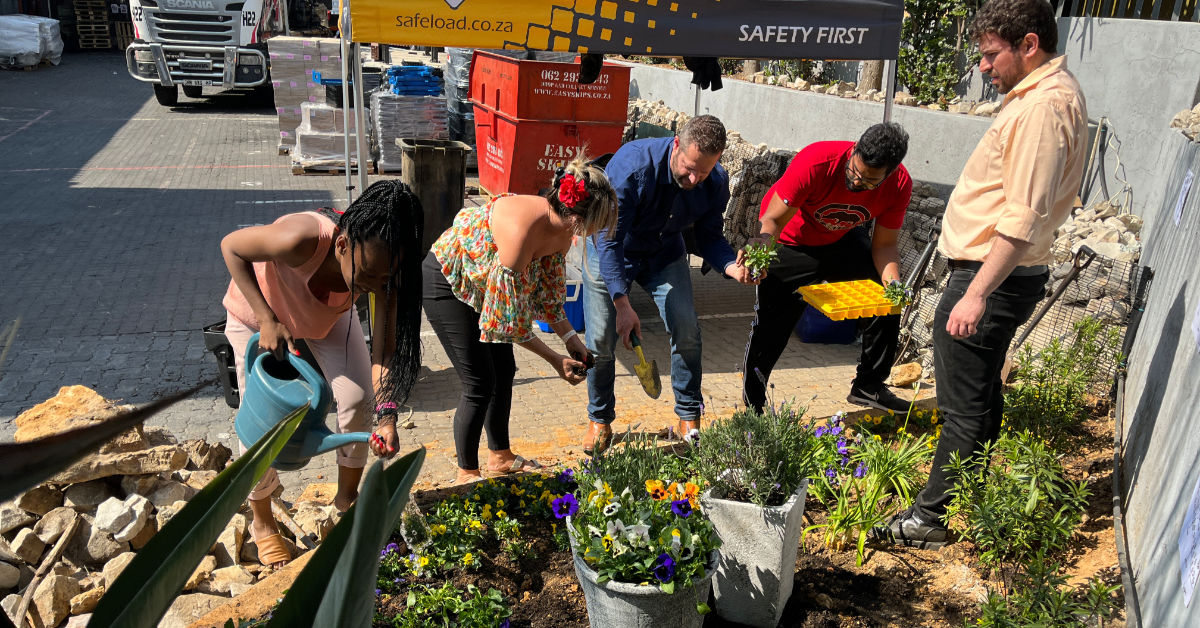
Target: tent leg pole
360,114
889,75
696,106
345,48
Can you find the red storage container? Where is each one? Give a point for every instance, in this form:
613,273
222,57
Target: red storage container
543,90
520,156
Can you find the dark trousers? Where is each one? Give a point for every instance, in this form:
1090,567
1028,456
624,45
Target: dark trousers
970,394
779,308
485,369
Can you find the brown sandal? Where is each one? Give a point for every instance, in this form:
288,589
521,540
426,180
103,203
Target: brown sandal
272,550
518,465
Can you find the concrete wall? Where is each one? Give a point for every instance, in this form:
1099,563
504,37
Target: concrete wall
1161,457
791,119
1138,73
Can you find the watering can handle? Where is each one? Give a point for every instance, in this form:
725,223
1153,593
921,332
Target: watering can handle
310,375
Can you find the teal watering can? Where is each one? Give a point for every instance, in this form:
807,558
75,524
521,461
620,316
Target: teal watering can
274,388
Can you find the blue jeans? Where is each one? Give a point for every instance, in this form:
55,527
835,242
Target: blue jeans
671,288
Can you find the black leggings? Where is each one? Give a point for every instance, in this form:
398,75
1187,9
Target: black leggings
485,369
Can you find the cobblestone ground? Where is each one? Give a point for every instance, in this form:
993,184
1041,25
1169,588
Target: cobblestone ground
113,209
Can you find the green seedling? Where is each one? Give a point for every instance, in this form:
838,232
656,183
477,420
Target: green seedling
898,293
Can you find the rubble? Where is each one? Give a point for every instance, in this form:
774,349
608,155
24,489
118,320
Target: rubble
1188,122
52,598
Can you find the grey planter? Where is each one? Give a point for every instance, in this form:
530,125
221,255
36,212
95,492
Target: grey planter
758,556
623,605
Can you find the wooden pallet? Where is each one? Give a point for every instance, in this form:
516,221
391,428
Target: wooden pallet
91,16
95,43
93,5
299,168
125,29
93,30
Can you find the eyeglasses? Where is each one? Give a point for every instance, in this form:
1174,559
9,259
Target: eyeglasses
854,175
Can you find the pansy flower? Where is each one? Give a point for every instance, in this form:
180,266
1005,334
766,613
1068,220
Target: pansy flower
664,568
682,507
656,489
565,506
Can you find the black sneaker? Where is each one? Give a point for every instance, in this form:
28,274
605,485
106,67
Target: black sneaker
909,529
881,398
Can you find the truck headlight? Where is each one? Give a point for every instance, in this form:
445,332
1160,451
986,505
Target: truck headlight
143,56
249,60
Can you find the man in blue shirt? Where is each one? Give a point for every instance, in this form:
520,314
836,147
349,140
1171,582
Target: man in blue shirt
664,185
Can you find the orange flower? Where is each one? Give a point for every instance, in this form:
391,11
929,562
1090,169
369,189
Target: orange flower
656,490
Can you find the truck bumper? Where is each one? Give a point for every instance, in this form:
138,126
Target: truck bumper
169,65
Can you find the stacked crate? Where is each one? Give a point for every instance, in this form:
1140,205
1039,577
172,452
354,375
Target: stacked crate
91,22
293,61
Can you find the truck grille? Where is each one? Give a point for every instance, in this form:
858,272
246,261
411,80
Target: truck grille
170,27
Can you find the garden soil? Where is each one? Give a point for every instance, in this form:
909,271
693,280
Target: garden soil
894,587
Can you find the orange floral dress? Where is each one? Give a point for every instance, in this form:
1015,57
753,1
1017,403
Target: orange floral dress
508,302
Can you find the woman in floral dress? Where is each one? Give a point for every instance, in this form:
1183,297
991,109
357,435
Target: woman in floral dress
488,278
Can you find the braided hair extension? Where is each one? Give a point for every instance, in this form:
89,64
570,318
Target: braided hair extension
390,211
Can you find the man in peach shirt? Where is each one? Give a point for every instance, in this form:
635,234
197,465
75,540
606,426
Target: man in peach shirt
1017,187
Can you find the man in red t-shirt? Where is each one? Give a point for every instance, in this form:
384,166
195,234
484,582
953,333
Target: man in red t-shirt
818,212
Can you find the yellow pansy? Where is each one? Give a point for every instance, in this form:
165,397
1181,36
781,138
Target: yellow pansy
468,559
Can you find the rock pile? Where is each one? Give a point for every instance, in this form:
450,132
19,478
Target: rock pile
1103,290
81,528
1188,121
851,90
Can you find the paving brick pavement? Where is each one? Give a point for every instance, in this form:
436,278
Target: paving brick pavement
114,208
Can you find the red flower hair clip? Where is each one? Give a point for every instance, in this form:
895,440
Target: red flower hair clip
572,190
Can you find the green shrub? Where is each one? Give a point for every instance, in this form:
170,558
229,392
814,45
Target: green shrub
933,42
759,458
1049,395
449,606
1041,598
1017,507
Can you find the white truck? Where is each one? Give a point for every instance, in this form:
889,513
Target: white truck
202,43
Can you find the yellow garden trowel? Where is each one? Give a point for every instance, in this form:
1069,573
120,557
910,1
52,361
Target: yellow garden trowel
647,372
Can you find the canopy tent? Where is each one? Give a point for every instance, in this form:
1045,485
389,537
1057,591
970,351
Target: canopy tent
740,29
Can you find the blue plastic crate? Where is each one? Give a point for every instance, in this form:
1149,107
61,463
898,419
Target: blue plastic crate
815,327
573,308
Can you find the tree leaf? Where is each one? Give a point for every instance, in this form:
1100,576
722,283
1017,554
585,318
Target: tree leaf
148,586
29,463
307,597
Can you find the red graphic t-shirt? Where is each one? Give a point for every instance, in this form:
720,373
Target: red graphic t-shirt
815,184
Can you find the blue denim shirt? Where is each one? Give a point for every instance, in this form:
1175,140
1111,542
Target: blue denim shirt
653,211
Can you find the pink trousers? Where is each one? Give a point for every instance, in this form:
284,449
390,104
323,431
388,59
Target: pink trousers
343,357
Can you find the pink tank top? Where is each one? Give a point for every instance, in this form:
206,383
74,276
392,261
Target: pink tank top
286,290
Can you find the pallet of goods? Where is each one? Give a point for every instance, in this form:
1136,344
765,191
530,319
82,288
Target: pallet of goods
91,23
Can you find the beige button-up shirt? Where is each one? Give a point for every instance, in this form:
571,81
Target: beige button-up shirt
1022,179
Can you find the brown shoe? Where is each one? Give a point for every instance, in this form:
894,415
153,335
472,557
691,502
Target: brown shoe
597,438
687,426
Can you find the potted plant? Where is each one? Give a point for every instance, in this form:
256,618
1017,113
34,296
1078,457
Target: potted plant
644,554
757,466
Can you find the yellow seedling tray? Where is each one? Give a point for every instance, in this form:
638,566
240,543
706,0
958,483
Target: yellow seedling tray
848,299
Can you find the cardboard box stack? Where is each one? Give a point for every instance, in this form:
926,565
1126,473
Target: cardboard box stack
293,61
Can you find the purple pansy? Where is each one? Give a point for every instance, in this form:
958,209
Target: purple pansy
682,507
565,506
664,567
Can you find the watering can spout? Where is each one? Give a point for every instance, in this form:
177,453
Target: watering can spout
320,441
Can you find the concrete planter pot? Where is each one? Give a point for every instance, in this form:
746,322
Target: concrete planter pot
620,604
758,556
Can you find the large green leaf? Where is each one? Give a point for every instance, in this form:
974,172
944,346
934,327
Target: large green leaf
29,463
347,561
147,587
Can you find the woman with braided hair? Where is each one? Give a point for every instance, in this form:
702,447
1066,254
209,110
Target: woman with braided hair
298,278
495,271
